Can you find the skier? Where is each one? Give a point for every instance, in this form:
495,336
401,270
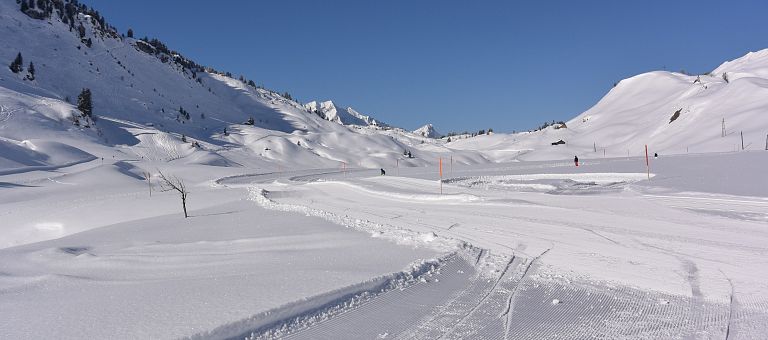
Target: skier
655,155
576,160
383,172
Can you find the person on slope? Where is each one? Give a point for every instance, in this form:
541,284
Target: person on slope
576,160
383,172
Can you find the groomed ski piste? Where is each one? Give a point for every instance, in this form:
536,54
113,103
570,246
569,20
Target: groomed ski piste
548,250
508,251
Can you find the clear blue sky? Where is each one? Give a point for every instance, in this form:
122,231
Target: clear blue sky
462,65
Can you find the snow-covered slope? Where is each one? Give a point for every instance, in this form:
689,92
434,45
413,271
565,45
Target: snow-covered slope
428,131
670,112
151,102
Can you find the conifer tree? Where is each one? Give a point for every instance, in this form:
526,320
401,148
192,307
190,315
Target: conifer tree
16,64
31,71
84,103
184,113
130,33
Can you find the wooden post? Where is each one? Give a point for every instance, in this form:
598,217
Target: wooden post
647,163
742,140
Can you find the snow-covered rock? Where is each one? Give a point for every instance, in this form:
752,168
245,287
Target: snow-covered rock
338,114
428,131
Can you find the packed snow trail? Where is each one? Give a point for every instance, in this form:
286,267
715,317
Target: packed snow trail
612,270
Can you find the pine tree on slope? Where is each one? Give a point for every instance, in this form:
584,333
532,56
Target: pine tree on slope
84,103
31,70
16,64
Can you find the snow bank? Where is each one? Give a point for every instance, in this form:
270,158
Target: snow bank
311,310
398,235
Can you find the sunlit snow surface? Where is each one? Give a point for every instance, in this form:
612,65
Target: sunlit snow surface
315,253
682,255
293,232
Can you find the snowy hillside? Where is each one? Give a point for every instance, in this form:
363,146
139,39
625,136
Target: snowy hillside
672,113
151,102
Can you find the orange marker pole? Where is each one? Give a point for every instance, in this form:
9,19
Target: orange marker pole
441,175
647,164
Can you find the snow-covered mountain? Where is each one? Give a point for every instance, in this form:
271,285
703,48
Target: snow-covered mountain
330,111
151,102
672,113
428,131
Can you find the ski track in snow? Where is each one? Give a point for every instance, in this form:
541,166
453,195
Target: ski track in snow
462,300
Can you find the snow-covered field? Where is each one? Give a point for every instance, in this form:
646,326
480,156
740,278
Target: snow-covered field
515,250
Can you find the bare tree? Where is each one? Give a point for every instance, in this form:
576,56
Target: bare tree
148,178
173,183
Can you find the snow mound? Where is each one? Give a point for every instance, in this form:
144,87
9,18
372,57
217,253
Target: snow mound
37,155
